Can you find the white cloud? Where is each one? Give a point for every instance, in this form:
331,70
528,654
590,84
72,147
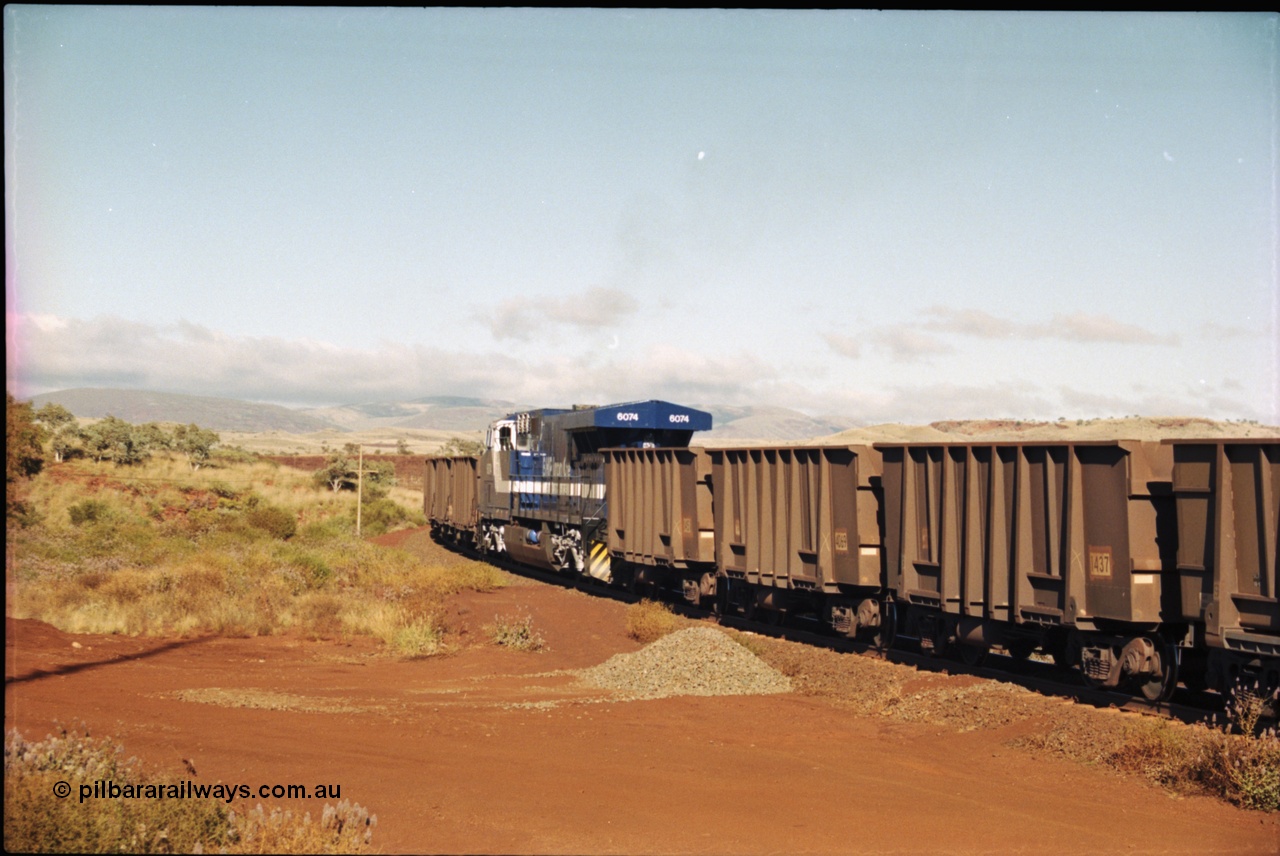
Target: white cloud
1229,332
527,318
104,352
183,357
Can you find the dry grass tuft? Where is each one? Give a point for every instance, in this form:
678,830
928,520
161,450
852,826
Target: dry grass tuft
649,620
37,821
516,632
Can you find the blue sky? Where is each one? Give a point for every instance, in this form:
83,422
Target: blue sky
890,216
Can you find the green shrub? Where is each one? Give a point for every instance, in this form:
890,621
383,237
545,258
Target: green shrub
224,491
37,821
315,571
89,511
416,639
273,520
379,516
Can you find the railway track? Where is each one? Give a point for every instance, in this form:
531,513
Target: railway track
1037,676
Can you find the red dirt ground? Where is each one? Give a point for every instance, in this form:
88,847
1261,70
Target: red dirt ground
437,750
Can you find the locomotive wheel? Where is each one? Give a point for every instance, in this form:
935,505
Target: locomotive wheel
1161,688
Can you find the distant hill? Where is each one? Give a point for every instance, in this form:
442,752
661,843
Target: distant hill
441,413
218,414
432,413
733,424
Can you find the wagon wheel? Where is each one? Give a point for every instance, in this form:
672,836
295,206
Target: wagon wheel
720,602
887,633
1020,649
1162,685
936,640
972,656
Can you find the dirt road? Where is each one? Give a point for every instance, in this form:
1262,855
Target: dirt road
483,751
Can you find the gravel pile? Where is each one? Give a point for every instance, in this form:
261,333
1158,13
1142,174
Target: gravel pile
698,661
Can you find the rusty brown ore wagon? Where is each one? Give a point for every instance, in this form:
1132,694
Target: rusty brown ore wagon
796,532
1139,564
1227,571
1059,546
661,531
449,498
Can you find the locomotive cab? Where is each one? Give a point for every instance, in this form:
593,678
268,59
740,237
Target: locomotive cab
542,480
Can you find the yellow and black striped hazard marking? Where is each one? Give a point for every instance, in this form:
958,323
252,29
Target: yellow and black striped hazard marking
598,564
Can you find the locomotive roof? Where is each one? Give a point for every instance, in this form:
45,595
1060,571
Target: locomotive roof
651,415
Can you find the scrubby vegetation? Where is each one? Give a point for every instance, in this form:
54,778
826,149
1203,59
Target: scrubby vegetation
38,821
233,548
650,620
1236,760
515,632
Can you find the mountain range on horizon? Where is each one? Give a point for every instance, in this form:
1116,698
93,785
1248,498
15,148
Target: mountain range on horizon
442,413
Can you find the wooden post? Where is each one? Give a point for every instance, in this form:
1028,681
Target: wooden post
359,488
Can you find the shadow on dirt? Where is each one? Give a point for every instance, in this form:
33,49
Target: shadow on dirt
40,674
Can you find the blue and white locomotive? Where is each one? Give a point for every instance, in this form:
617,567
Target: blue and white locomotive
541,493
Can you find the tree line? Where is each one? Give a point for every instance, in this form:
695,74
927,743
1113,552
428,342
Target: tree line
30,430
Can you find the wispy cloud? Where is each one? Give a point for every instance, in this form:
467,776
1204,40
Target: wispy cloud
526,318
1229,332
1074,327
1099,328
843,345
969,322
919,341
907,344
